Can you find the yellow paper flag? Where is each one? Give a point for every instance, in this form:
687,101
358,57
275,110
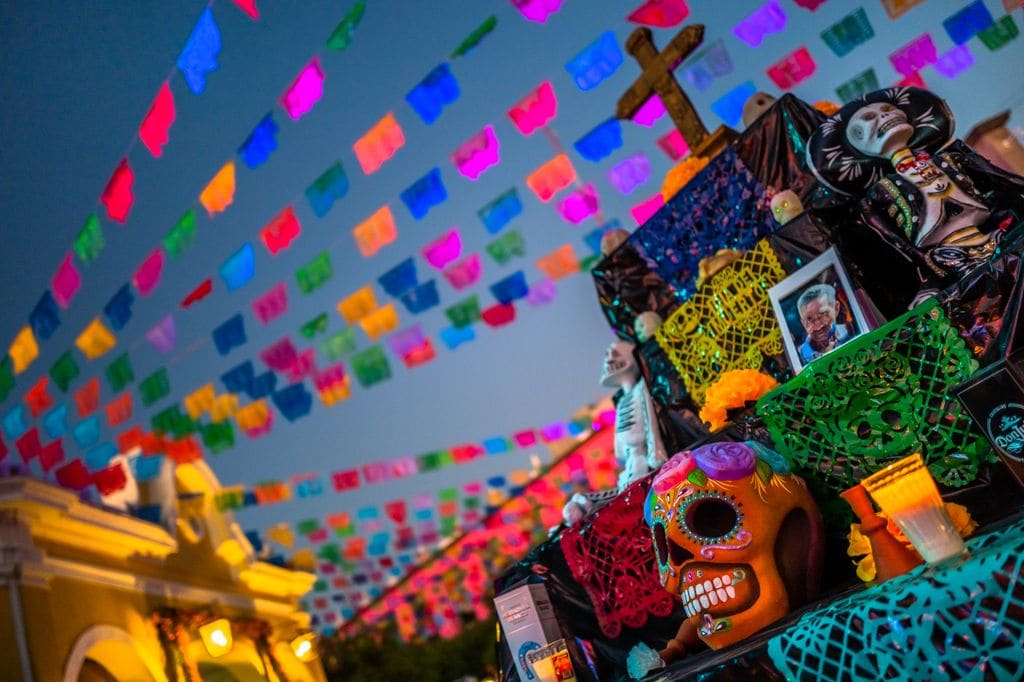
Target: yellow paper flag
358,305
199,401
281,534
252,416
95,340
23,350
223,407
219,194
380,321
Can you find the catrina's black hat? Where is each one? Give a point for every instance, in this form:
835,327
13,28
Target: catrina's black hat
840,167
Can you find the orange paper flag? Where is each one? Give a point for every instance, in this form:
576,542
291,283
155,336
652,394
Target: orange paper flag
375,232
358,305
380,321
95,340
559,263
24,350
219,194
379,144
551,178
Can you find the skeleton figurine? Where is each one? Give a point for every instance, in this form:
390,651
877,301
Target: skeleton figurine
931,198
638,446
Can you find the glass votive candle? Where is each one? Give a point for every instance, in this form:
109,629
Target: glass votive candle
906,492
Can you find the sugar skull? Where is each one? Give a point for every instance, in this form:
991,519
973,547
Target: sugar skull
879,129
737,537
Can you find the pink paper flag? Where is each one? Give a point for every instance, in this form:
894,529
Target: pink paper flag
793,69
537,10
447,249
465,273
272,304
915,55
535,110
280,356
306,91
117,195
579,205
674,145
66,281
155,128
304,366
648,114
477,154
147,276
645,209
249,7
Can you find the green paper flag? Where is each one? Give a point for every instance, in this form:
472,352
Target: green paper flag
339,344
471,503
315,327
345,531
371,366
229,499
63,371
506,247
6,377
181,235
474,38
89,241
447,525
341,37
313,274
217,437
173,421
863,83
307,526
431,461
999,33
447,494
329,552
119,373
590,261
320,585
156,386
465,312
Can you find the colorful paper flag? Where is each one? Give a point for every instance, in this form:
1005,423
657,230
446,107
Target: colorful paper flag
537,10
444,250
229,335
315,273
630,173
500,211
95,340
341,36
371,366
162,335
477,154
64,371
305,91
577,206
220,192
464,273
239,268
89,242
506,247
601,141
421,297
199,56
155,128
596,62
535,110
45,317
476,37
424,194
431,95
326,189
66,281
147,277
261,143
660,13
767,19
375,232
381,321
379,144
551,178
182,235
117,195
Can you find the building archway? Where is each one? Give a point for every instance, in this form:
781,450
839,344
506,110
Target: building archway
107,650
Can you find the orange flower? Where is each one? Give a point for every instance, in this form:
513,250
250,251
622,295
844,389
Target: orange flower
826,107
680,174
732,390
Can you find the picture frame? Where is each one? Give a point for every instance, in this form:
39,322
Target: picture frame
817,310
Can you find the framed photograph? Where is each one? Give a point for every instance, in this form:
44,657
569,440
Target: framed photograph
817,310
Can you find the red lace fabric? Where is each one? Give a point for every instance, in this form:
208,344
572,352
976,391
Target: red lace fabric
611,554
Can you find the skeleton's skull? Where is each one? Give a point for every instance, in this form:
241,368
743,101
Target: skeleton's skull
619,366
737,537
757,104
879,129
645,324
786,205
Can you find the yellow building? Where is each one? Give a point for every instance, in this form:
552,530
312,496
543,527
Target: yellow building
88,593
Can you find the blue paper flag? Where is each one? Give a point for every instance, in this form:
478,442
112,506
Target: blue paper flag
968,22
400,278
596,62
118,309
511,288
238,378
495,446
99,456
500,211
253,536
230,334
56,422
199,56
14,422
239,268
433,93
261,143
424,194
261,386
293,401
367,513
421,298
729,107
146,467
328,188
45,317
454,337
87,432
601,141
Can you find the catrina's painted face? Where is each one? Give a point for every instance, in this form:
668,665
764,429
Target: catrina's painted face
879,129
718,515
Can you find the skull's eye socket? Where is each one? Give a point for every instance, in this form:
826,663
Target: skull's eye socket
711,518
869,116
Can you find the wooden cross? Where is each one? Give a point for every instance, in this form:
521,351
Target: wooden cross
658,78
